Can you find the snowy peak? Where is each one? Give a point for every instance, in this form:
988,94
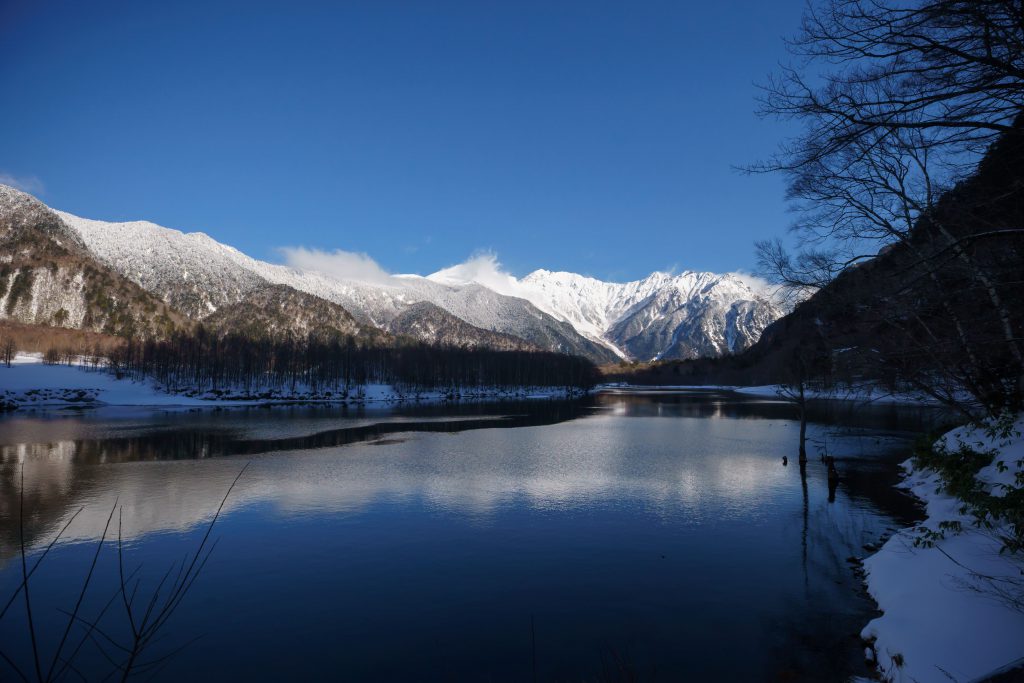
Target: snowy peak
630,318
663,315
22,214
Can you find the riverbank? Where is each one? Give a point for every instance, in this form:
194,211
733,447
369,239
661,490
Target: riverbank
29,383
953,604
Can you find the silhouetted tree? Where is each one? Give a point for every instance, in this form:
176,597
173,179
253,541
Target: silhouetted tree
899,102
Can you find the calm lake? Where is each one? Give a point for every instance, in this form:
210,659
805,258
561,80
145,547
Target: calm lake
647,534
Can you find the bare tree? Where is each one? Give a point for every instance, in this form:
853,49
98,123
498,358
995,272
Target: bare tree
907,99
953,69
7,350
795,391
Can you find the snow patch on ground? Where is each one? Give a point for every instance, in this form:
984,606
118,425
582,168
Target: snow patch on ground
941,622
30,383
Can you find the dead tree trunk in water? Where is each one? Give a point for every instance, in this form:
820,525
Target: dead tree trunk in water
795,392
802,403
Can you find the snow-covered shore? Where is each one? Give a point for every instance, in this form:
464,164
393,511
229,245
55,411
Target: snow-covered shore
861,394
944,619
29,383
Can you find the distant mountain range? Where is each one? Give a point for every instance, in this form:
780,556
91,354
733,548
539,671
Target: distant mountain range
60,269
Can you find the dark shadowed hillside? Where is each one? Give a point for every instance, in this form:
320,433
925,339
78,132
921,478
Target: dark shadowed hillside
428,323
942,309
278,311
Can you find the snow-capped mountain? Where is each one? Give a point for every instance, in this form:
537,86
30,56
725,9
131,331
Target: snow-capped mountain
662,316
198,275
688,315
49,277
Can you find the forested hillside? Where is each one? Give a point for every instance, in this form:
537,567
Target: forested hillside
48,277
939,311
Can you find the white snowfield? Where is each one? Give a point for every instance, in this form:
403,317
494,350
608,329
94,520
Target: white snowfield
28,382
31,383
942,622
663,315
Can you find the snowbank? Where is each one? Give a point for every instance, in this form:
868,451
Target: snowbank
863,394
30,383
942,619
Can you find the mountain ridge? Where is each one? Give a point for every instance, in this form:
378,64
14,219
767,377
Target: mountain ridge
49,277
729,313
663,315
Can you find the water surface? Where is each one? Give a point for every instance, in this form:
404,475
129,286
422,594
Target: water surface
654,534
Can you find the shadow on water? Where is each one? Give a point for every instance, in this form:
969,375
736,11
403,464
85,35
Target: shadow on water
224,432
220,438
42,441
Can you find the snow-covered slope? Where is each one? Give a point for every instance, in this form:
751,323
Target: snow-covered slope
951,608
190,271
662,316
198,275
589,304
49,277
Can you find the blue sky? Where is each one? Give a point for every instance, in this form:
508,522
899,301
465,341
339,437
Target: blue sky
597,137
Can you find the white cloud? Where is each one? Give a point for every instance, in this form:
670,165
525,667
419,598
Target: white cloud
758,284
482,268
342,265
25,183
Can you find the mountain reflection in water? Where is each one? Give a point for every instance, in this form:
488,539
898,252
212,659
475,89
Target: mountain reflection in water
557,507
